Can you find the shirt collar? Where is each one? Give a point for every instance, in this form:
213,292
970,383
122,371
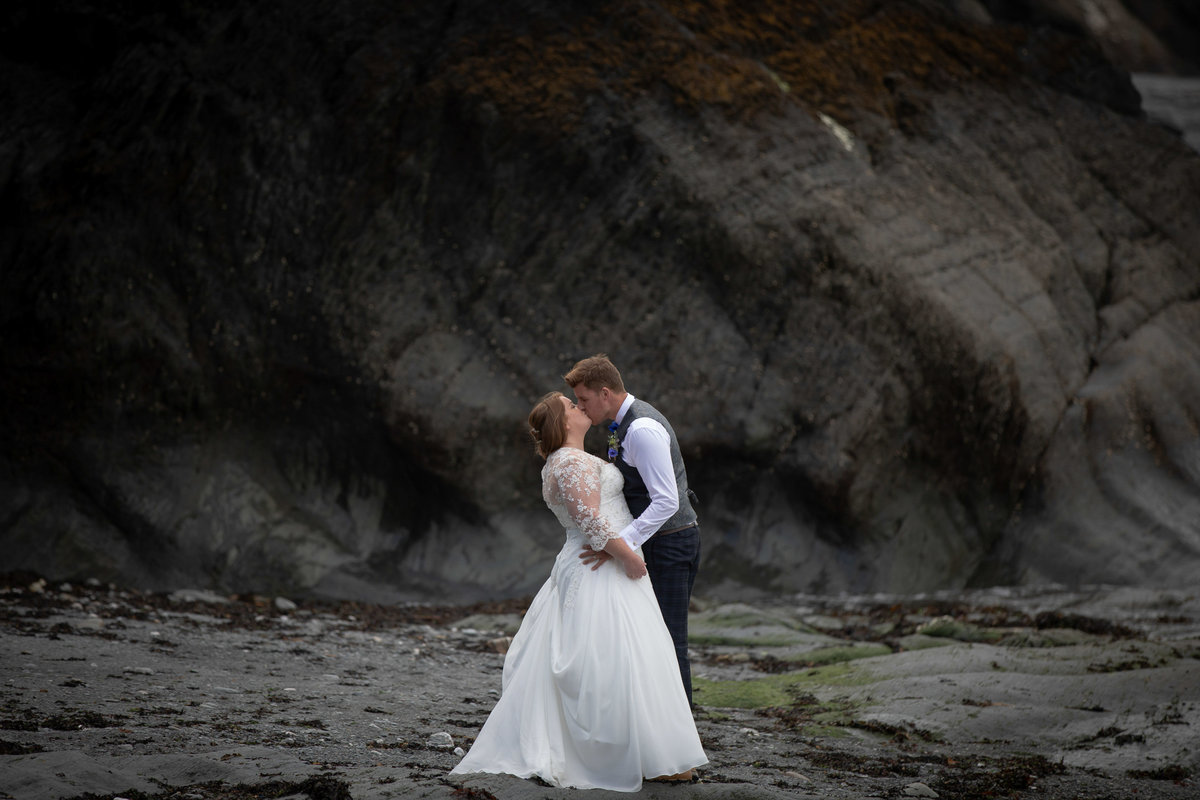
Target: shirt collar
624,407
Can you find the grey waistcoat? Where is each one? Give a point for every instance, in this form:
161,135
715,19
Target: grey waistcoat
636,493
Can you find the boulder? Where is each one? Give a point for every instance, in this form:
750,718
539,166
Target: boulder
917,286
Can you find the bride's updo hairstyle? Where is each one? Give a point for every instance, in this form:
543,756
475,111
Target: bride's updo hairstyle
548,424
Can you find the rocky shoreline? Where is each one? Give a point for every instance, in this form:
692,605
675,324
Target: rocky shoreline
1002,693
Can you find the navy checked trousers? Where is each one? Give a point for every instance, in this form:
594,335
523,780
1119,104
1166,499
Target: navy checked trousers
671,561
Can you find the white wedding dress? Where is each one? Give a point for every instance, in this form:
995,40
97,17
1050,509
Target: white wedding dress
592,696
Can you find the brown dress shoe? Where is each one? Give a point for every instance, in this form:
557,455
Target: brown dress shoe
679,777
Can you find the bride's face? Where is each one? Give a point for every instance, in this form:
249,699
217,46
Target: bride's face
576,419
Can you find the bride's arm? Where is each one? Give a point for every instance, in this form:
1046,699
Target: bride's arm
619,549
579,483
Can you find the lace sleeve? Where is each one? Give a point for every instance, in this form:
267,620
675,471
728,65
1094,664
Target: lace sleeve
576,480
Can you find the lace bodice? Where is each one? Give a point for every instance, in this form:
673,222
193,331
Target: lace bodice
584,492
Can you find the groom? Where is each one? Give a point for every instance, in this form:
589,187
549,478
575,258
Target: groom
643,446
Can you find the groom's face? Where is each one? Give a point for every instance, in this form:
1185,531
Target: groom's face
593,402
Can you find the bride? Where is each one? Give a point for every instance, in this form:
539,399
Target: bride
592,696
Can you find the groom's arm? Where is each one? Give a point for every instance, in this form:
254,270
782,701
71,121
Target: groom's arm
647,447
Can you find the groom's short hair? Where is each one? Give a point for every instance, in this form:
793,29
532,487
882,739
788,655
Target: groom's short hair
595,373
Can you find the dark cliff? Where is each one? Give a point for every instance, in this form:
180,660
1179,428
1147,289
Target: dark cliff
916,283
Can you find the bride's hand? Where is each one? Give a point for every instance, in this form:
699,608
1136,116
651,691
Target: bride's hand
617,548
635,567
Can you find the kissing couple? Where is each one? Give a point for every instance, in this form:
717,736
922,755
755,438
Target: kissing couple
596,689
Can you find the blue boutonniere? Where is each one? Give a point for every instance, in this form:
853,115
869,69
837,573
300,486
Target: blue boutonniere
614,446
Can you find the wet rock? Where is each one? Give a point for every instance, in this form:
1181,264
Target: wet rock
1157,36
952,719
918,641
732,658
507,623
825,623
197,596
951,628
441,741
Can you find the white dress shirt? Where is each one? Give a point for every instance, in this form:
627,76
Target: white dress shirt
646,447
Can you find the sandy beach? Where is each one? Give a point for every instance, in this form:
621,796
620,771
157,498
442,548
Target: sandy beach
1049,693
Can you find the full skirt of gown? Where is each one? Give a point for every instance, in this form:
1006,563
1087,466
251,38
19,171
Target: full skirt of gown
592,696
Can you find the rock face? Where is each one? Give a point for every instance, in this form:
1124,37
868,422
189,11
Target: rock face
918,289
1139,35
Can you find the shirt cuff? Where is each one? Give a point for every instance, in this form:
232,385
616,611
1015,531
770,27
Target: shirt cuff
632,536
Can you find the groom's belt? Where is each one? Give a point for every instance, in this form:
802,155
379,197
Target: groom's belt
677,530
